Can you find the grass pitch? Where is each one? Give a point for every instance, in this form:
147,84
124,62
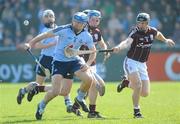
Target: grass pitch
161,107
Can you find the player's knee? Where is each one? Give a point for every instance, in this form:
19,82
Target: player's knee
63,93
138,85
89,80
144,94
55,92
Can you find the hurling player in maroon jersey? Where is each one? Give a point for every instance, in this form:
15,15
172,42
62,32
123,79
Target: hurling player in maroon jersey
98,84
140,41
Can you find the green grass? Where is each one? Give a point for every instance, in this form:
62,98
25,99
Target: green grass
161,107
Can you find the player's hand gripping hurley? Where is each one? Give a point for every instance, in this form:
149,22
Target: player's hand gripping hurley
46,71
70,52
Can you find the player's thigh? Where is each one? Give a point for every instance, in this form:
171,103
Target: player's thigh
56,83
143,71
130,66
145,88
85,76
66,85
135,80
145,79
99,80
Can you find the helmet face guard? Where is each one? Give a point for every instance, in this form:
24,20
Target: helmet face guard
79,21
142,21
94,18
142,17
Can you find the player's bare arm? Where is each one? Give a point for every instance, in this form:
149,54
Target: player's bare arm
92,56
161,37
123,45
102,44
40,37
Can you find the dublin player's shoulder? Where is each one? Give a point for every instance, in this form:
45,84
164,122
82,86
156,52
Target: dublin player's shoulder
86,35
59,28
85,32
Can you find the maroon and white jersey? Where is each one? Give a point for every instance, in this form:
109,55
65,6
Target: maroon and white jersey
141,45
96,34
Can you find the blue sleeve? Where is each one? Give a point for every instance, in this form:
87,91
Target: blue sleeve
58,30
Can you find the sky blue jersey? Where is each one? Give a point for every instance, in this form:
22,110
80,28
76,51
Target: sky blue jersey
48,51
67,37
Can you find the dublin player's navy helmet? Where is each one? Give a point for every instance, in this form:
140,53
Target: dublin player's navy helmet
143,17
80,17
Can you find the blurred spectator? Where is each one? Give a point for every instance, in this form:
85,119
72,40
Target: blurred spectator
176,34
168,21
128,20
154,22
114,25
1,34
118,17
108,8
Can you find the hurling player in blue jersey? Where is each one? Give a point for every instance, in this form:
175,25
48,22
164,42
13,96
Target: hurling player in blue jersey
72,35
47,47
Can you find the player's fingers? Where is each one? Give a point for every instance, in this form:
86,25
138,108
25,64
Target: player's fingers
108,55
115,50
171,43
27,46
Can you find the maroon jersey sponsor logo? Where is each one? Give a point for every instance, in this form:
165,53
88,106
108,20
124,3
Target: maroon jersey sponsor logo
141,45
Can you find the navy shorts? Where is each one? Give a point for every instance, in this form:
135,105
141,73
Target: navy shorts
66,69
45,61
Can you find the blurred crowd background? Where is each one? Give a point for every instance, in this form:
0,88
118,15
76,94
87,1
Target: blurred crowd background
118,17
